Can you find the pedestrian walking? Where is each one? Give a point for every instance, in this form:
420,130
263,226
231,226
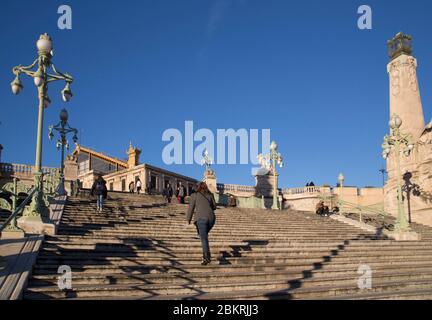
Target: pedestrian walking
167,193
138,186
99,190
181,193
202,204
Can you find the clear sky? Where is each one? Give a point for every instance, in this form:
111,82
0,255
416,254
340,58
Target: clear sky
300,68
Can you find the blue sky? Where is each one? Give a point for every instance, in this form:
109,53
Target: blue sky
302,69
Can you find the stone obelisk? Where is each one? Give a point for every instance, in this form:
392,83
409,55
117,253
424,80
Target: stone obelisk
406,103
404,90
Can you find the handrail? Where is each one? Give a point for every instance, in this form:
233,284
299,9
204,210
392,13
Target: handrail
362,209
18,210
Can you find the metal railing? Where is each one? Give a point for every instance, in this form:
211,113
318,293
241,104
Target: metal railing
10,223
349,207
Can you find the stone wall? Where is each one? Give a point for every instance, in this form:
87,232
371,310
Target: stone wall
119,181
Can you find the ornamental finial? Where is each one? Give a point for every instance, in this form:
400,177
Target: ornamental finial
400,44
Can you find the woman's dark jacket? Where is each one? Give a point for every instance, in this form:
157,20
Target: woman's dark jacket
203,205
98,192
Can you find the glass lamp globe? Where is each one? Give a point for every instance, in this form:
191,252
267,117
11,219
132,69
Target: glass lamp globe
47,101
38,81
16,86
395,122
64,116
66,97
44,44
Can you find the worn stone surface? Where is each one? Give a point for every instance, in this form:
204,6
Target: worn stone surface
139,248
17,259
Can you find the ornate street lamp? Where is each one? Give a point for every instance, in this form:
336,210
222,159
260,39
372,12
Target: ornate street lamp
394,142
41,77
341,180
63,128
206,160
275,158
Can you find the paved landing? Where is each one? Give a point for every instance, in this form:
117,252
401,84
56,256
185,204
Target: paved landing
17,257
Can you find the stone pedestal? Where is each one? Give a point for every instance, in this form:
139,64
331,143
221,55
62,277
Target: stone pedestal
71,169
210,180
16,234
265,184
70,173
405,236
36,225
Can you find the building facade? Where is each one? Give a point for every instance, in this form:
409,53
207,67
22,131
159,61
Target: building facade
86,164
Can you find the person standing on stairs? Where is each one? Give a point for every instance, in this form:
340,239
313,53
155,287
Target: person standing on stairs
138,186
131,187
167,193
181,193
99,190
203,204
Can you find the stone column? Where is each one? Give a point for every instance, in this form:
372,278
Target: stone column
265,184
405,98
405,101
210,180
70,172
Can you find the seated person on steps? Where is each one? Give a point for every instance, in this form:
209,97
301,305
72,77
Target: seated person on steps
322,209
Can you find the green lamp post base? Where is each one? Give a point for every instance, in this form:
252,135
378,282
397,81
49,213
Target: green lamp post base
38,208
402,226
275,205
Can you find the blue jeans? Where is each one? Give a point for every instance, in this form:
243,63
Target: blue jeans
204,226
99,201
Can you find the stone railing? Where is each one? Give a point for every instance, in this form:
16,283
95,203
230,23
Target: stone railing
302,190
235,188
23,169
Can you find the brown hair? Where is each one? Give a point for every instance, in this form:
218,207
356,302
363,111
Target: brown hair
202,187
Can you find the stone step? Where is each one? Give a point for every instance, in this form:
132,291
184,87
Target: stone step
177,261
396,290
51,270
294,288
234,237
140,248
133,251
251,245
187,278
237,247
312,243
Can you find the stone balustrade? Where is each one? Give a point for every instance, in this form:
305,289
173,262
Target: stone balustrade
12,169
302,190
235,188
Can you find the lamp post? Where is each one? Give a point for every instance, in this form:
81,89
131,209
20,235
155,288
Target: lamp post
275,158
394,142
383,172
206,160
341,180
63,128
39,71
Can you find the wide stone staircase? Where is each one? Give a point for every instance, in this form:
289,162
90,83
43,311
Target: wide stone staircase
140,248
